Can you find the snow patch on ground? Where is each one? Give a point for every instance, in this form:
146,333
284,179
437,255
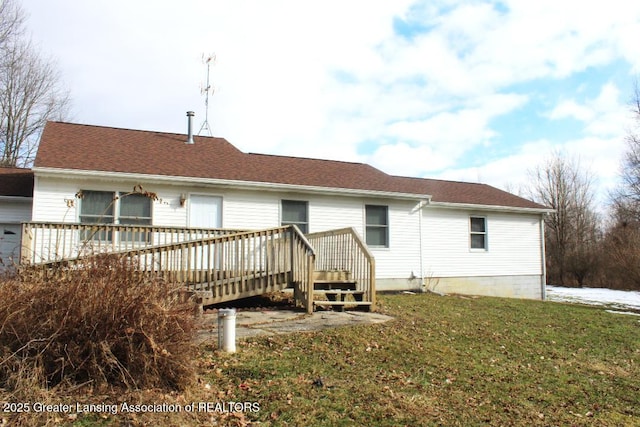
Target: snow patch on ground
623,300
630,313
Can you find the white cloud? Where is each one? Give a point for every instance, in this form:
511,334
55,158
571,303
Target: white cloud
605,115
571,109
322,79
406,160
508,172
599,147
599,157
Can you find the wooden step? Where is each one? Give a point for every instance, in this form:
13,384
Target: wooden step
328,285
339,291
341,295
340,305
332,275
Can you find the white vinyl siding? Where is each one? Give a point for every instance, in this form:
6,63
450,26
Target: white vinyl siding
330,213
15,210
251,211
55,200
514,247
513,238
402,257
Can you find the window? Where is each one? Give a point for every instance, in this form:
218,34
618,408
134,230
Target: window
97,208
106,207
377,225
135,209
295,212
478,237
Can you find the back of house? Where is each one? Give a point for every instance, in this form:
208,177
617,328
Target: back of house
425,234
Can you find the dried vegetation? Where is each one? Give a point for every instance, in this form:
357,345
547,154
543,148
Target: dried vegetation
103,325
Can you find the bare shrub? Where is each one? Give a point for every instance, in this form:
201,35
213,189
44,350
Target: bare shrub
104,323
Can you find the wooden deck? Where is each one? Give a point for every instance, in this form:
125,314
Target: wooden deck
219,265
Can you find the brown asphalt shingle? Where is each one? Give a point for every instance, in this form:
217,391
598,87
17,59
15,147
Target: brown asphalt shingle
86,147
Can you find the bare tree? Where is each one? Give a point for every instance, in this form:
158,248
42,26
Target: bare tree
622,261
622,240
572,230
11,21
30,90
626,199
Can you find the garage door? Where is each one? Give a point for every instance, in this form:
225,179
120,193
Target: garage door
9,245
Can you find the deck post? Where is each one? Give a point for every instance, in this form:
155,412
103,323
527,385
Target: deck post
372,283
311,267
26,245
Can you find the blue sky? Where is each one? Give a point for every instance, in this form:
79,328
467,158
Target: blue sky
461,90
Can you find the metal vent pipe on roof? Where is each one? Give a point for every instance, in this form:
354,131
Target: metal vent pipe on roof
190,115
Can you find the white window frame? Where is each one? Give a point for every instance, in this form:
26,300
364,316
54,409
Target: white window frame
116,217
302,225
368,226
484,233
100,216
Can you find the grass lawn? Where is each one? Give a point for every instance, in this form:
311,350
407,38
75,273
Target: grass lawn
445,361
442,361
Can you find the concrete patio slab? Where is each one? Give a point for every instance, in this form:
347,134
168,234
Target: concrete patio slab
251,323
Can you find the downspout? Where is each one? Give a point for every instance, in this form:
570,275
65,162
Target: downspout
418,208
421,254
543,279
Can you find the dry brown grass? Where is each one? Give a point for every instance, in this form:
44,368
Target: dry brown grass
104,325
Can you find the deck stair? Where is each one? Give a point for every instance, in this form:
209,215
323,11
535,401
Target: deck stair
327,269
336,290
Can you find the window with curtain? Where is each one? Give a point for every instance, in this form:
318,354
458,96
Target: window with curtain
108,207
135,209
97,207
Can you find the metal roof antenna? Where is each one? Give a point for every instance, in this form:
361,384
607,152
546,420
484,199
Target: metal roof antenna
205,91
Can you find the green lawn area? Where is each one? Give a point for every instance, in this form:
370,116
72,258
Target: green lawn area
443,361
453,361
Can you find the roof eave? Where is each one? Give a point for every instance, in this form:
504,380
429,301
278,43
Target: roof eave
236,184
495,208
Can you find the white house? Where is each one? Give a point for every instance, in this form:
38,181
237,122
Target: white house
455,237
16,191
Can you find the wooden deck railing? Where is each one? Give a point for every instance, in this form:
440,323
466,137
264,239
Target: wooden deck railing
44,242
344,250
221,265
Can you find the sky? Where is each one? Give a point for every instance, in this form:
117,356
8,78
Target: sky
479,91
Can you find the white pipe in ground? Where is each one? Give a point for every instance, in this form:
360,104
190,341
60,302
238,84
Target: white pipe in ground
227,330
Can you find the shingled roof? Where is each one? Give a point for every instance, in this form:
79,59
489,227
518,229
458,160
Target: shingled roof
107,149
17,182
